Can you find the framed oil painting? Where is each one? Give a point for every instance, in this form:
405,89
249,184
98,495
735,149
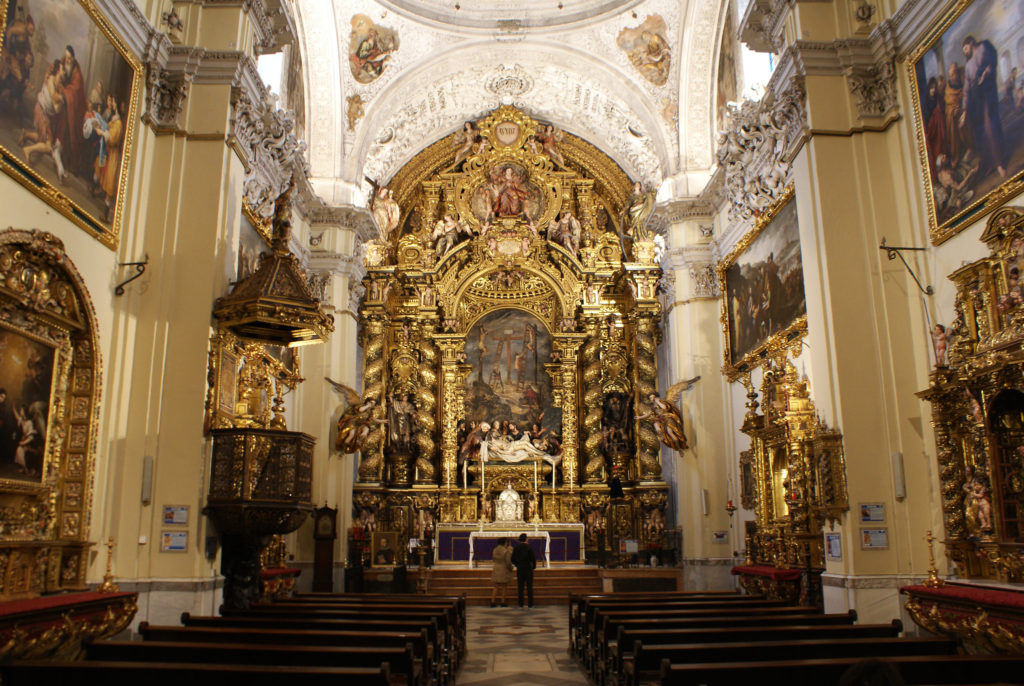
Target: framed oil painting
29,374
762,284
967,79
68,99
383,549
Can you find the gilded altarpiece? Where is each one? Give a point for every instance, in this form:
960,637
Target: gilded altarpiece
509,333
977,398
49,407
795,481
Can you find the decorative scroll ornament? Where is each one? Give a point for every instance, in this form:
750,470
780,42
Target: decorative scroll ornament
874,89
756,150
704,280
509,81
165,97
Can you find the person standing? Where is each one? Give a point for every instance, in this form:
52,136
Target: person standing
525,562
501,572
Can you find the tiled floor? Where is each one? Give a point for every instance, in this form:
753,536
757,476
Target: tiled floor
513,647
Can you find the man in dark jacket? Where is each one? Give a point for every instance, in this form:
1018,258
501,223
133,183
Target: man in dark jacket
525,562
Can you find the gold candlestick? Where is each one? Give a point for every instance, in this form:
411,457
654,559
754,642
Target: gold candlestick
108,585
933,580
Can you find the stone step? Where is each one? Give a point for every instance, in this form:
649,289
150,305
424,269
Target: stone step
550,586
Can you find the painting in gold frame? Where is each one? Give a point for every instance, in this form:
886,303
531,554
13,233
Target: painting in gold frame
68,105
32,372
970,128
762,286
383,549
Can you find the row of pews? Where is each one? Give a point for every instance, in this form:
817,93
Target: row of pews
351,639
724,638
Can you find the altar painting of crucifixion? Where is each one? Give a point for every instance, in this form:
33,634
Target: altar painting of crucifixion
507,350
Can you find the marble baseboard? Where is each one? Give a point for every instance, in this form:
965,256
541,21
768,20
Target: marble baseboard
161,601
708,574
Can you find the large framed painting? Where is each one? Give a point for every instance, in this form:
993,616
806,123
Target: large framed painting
30,372
68,99
508,388
762,285
967,79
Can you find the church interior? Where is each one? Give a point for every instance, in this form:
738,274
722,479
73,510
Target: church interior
322,301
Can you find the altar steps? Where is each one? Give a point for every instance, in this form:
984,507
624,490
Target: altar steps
550,586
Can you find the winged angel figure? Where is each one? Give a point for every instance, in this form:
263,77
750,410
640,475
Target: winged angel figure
666,416
357,421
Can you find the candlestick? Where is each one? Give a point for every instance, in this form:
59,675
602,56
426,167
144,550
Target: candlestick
535,475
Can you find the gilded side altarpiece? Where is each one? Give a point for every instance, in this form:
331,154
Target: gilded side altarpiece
509,334
794,475
977,398
49,408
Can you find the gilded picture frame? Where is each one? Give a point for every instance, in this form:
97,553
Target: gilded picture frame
763,306
68,117
969,129
18,404
384,549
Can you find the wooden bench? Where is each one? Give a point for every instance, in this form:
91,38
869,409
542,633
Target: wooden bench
600,652
402,662
915,669
458,602
295,637
436,652
643,663
36,673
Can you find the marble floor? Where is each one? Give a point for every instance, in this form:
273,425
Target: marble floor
513,647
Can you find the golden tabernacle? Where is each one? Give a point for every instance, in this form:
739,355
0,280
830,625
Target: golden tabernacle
509,329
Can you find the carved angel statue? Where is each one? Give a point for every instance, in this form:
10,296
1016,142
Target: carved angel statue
549,138
385,212
566,232
466,139
666,416
639,207
357,421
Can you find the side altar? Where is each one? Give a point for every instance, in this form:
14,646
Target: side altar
509,326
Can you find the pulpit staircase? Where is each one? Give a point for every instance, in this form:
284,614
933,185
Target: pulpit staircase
550,586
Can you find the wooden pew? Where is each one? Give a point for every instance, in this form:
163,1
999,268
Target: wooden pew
437,650
38,673
443,614
643,663
295,637
601,652
459,602
582,626
402,662
915,669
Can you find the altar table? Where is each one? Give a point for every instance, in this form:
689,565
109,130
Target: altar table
551,542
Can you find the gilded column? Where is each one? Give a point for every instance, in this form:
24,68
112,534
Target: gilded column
593,455
648,444
570,345
426,412
453,375
372,461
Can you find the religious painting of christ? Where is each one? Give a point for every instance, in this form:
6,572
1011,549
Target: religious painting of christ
968,80
67,109
508,192
26,380
508,393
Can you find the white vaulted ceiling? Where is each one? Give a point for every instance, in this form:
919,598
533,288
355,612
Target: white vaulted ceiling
560,65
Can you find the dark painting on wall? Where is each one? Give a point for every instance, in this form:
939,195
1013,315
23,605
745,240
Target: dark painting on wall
67,109
763,286
968,86
26,384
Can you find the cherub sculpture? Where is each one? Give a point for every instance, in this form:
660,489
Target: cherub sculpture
357,421
666,416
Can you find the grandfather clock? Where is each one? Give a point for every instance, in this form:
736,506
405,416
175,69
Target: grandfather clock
325,530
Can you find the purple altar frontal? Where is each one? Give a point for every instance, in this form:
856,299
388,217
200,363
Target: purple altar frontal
469,544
